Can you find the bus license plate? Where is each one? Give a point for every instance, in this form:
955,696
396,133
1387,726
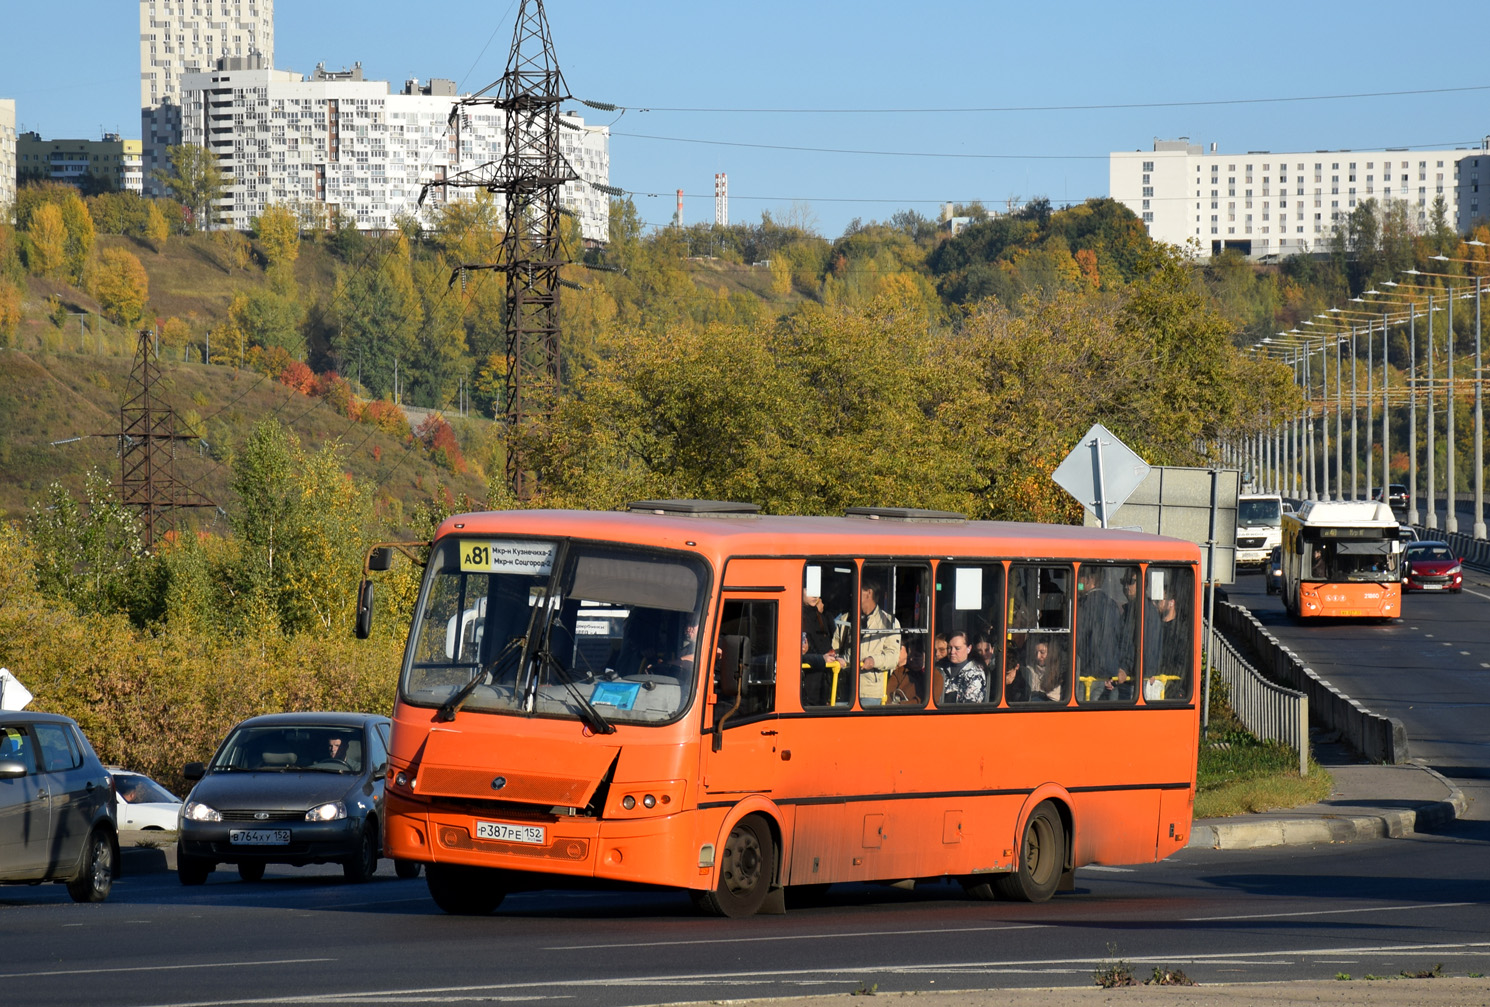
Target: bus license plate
259,837
533,834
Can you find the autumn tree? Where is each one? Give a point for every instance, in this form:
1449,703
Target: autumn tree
195,180
157,231
278,231
46,241
10,312
78,225
122,287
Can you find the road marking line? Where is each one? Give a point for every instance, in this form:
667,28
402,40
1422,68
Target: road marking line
801,937
796,975
165,968
1326,912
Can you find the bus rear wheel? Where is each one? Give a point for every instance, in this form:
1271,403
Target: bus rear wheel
1042,859
747,869
465,891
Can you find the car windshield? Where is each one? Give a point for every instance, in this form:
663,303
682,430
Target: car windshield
1430,553
136,789
601,633
1260,511
291,748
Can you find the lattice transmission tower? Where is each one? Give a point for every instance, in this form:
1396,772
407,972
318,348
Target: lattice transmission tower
147,446
530,175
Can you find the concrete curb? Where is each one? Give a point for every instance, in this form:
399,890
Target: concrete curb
1310,830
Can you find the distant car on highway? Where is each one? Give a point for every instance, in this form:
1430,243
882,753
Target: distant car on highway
1432,566
288,788
1273,570
56,807
1407,533
1394,495
141,803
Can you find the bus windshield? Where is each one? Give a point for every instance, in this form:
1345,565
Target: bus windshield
603,634
1341,560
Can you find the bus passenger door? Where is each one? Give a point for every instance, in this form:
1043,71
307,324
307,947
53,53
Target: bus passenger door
741,756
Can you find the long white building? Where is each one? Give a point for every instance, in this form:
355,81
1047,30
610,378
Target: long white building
1266,204
335,143
178,37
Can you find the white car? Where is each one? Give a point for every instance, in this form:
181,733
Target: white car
142,804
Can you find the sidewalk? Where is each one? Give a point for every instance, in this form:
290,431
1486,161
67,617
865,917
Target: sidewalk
1369,802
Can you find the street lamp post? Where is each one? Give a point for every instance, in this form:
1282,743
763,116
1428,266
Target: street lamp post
1479,414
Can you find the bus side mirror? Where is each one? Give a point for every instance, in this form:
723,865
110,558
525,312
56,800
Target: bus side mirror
380,559
364,609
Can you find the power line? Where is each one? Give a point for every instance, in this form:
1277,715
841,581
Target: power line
1061,108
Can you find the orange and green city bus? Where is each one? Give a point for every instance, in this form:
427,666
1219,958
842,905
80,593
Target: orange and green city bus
694,695
1342,559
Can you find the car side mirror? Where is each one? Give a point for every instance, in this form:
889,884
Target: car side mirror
380,559
11,769
363,627
194,771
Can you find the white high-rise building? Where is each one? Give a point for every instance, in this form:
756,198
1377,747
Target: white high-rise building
177,38
7,157
338,144
1265,204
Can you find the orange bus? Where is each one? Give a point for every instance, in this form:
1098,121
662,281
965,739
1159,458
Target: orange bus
1342,559
690,694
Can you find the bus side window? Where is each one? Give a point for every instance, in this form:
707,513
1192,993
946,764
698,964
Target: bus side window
1168,634
754,683
970,604
1108,604
1040,634
830,619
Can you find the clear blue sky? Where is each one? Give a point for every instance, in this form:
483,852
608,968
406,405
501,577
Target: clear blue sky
73,69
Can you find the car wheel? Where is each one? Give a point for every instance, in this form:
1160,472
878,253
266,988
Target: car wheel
192,870
747,869
465,891
1042,859
362,865
406,869
251,870
96,878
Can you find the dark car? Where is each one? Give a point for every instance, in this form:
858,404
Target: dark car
1431,566
1273,570
288,788
56,807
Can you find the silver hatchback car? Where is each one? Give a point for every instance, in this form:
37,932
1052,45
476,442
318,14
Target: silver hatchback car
56,807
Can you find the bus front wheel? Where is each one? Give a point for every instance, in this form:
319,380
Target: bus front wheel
1042,858
747,869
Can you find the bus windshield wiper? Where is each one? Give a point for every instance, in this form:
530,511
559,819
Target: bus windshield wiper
588,713
448,708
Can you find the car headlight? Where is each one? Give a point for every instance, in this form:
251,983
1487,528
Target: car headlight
196,811
329,812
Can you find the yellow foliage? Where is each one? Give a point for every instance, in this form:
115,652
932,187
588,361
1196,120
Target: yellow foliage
122,287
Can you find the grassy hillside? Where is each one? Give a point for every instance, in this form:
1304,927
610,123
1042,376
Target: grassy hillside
56,397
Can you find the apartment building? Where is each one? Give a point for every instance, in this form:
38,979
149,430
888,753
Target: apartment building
1265,204
7,157
336,143
111,163
178,37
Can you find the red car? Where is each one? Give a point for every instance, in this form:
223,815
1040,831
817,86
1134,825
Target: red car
1431,566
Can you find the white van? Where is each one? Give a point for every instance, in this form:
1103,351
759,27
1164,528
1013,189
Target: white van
1259,527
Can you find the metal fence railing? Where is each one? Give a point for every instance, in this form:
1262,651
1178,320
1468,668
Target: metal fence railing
1272,712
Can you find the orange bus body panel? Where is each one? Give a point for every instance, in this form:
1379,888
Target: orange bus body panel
888,794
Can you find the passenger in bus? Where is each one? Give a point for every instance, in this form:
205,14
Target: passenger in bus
1041,677
879,644
815,624
905,682
1099,626
690,641
965,680
984,653
939,649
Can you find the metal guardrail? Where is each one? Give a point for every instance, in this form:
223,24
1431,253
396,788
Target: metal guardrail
1272,712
